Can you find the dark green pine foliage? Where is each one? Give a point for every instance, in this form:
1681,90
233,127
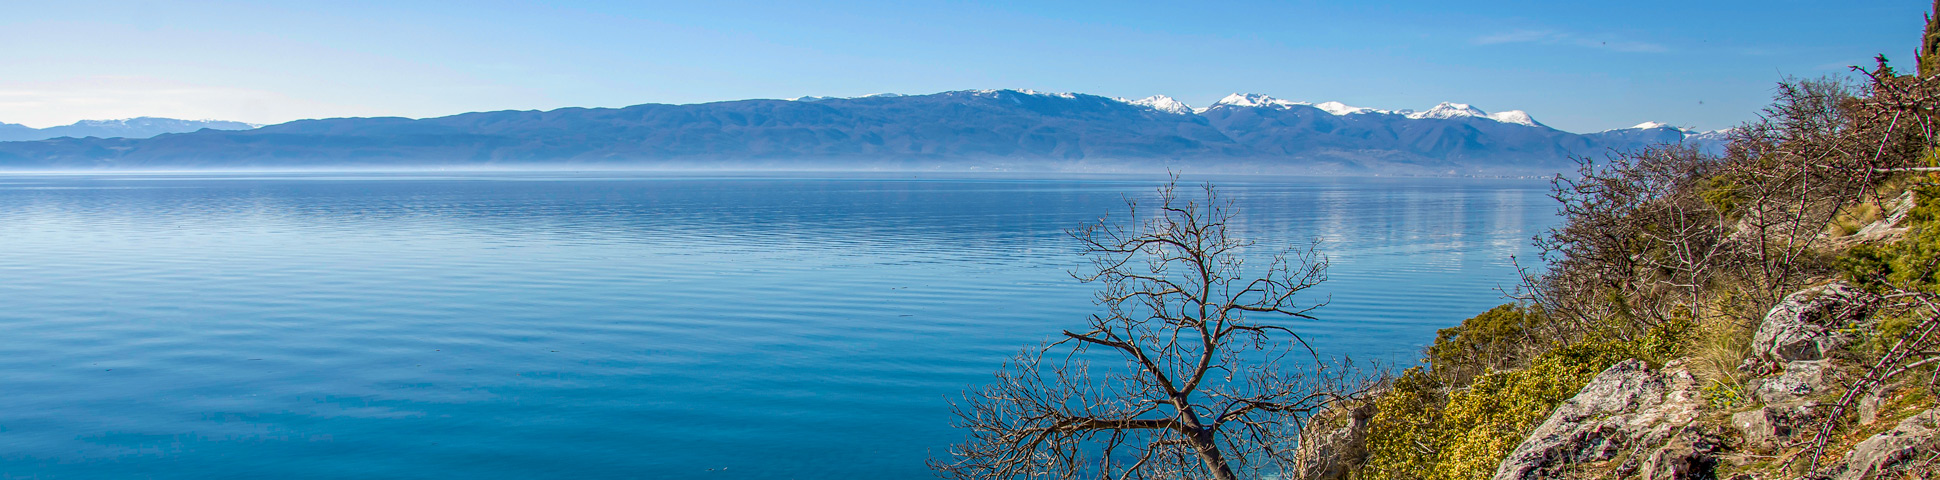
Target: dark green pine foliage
1929,62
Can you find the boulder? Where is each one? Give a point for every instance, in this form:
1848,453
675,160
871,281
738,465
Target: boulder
1869,407
1334,442
1902,452
1796,384
1806,325
1769,427
1627,407
1689,456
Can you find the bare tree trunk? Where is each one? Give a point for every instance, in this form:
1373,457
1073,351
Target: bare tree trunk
1203,443
1209,453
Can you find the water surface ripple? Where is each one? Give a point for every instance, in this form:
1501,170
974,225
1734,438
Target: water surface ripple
528,326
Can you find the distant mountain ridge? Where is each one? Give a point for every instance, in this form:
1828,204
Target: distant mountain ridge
138,127
1013,130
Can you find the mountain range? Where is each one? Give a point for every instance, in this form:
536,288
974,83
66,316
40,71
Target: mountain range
1003,130
138,127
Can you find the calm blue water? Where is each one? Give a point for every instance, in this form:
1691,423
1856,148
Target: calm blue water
535,326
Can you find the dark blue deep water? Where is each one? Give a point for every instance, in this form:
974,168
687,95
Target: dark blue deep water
581,326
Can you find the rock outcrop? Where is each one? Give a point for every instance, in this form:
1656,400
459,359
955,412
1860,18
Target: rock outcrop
1794,348
1770,426
1627,408
1333,443
1806,325
1796,383
1886,229
1688,456
1902,452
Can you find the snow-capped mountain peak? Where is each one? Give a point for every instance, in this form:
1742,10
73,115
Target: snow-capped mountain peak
1445,110
1518,117
1719,135
956,129
1046,94
1657,125
818,98
1338,108
1255,100
1450,110
1164,104
998,92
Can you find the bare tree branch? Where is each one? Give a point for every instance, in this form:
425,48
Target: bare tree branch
1199,386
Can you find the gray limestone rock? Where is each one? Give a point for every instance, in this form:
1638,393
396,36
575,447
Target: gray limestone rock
1796,384
1769,427
1913,442
1806,324
1869,407
1627,407
1689,456
1335,442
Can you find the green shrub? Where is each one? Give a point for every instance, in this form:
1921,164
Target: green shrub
1912,262
1722,192
1406,427
1489,419
1494,340
1419,433
1887,329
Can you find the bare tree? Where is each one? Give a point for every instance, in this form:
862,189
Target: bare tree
1651,235
1640,244
1191,378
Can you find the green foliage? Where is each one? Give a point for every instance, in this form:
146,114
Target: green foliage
1929,62
1406,427
1725,395
1879,337
1913,262
1661,343
1419,433
1624,282
1488,420
1722,192
1493,340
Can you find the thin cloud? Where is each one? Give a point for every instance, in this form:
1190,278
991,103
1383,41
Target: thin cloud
47,104
1518,36
1552,37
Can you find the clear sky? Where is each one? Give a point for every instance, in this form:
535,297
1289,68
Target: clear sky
1578,66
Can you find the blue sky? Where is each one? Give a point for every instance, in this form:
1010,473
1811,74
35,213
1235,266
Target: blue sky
1578,66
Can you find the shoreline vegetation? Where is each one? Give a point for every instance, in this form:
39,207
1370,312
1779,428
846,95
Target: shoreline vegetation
1771,312
1768,312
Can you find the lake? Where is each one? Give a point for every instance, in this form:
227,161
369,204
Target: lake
552,325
